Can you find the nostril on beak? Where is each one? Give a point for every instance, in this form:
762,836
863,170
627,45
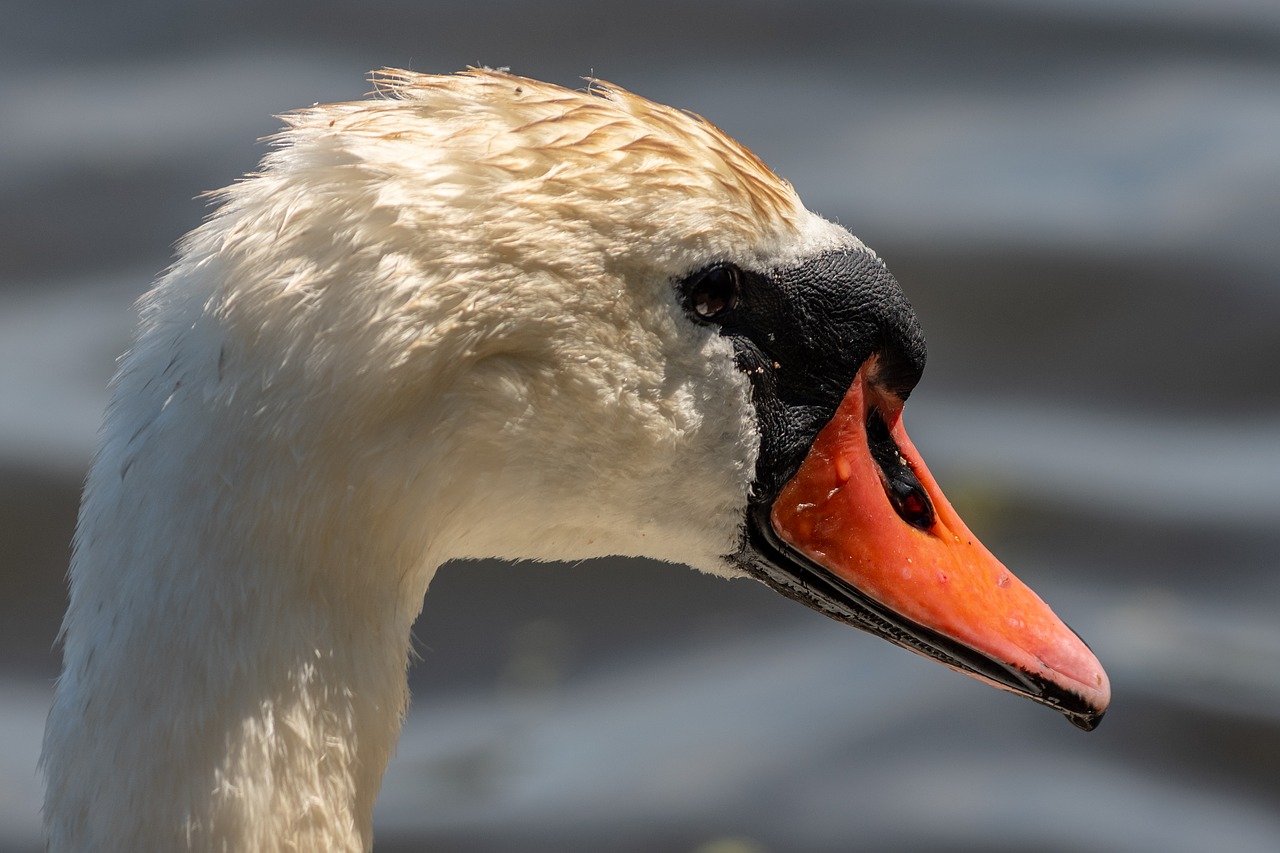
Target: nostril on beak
901,485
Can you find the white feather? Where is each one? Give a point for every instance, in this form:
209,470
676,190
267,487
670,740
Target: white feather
436,325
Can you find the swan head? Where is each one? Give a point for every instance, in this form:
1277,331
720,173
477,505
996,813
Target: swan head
482,316
468,293
565,324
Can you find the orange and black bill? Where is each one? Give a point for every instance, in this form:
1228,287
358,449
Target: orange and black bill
863,534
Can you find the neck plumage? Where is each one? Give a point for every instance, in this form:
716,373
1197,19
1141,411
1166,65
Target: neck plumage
237,638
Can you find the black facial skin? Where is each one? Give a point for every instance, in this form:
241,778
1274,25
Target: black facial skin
801,333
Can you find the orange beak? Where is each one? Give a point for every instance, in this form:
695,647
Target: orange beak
873,541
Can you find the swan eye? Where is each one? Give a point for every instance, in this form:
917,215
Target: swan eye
714,292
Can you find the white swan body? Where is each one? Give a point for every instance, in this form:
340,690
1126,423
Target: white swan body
438,324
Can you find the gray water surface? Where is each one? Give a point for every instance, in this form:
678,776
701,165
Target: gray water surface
1081,200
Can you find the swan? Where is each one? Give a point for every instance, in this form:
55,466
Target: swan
477,315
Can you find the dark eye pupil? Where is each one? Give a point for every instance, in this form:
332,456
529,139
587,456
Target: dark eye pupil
716,293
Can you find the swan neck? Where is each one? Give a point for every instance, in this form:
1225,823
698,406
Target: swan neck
234,666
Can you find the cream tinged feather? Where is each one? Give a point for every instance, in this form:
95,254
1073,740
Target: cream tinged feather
437,324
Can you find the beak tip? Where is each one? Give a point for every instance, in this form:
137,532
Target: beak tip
1091,701
1086,722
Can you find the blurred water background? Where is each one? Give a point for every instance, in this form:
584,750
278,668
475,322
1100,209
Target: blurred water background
1082,199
